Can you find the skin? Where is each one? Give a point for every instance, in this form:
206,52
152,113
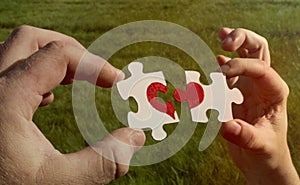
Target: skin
257,138
33,62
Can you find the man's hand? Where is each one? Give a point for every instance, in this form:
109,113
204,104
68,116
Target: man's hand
33,62
257,137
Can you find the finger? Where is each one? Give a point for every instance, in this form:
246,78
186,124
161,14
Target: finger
247,44
122,143
56,63
224,32
222,59
244,53
242,134
253,68
109,159
47,99
267,81
25,40
109,75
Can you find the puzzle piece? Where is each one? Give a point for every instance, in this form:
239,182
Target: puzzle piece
152,114
217,96
147,116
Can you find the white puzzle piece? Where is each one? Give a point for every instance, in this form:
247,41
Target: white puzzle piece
147,116
153,115
217,96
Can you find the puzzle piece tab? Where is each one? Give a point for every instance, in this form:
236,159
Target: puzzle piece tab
147,116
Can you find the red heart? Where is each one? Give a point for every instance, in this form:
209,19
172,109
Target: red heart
168,107
194,94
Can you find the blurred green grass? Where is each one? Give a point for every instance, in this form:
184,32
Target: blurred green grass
86,20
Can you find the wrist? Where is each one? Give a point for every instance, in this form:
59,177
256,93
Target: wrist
284,173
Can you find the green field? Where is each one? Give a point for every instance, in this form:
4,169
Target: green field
86,20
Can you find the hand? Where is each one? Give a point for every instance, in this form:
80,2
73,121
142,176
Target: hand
33,62
257,137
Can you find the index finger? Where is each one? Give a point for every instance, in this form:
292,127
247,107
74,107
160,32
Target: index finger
223,32
55,63
248,44
26,40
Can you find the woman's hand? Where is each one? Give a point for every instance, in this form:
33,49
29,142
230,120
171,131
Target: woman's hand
257,135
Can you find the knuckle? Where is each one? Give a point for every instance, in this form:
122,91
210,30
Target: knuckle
110,170
22,33
57,45
105,168
23,30
112,166
285,90
236,63
4,86
250,142
239,30
58,48
24,27
264,65
54,52
121,170
71,39
264,41
40,175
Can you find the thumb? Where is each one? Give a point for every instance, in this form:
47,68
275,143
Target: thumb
101,163
242,134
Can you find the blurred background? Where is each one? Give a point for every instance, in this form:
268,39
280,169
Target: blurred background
86,20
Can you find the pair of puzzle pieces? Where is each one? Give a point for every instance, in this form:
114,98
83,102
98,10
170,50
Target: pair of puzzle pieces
152,114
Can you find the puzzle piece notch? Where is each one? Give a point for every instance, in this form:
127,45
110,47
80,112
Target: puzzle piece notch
147,116
218,96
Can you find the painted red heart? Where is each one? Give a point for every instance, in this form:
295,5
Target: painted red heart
152,90
194,94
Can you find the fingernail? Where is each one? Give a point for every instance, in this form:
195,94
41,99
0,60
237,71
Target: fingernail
225,68
227,40
120,76
235,127
137,138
